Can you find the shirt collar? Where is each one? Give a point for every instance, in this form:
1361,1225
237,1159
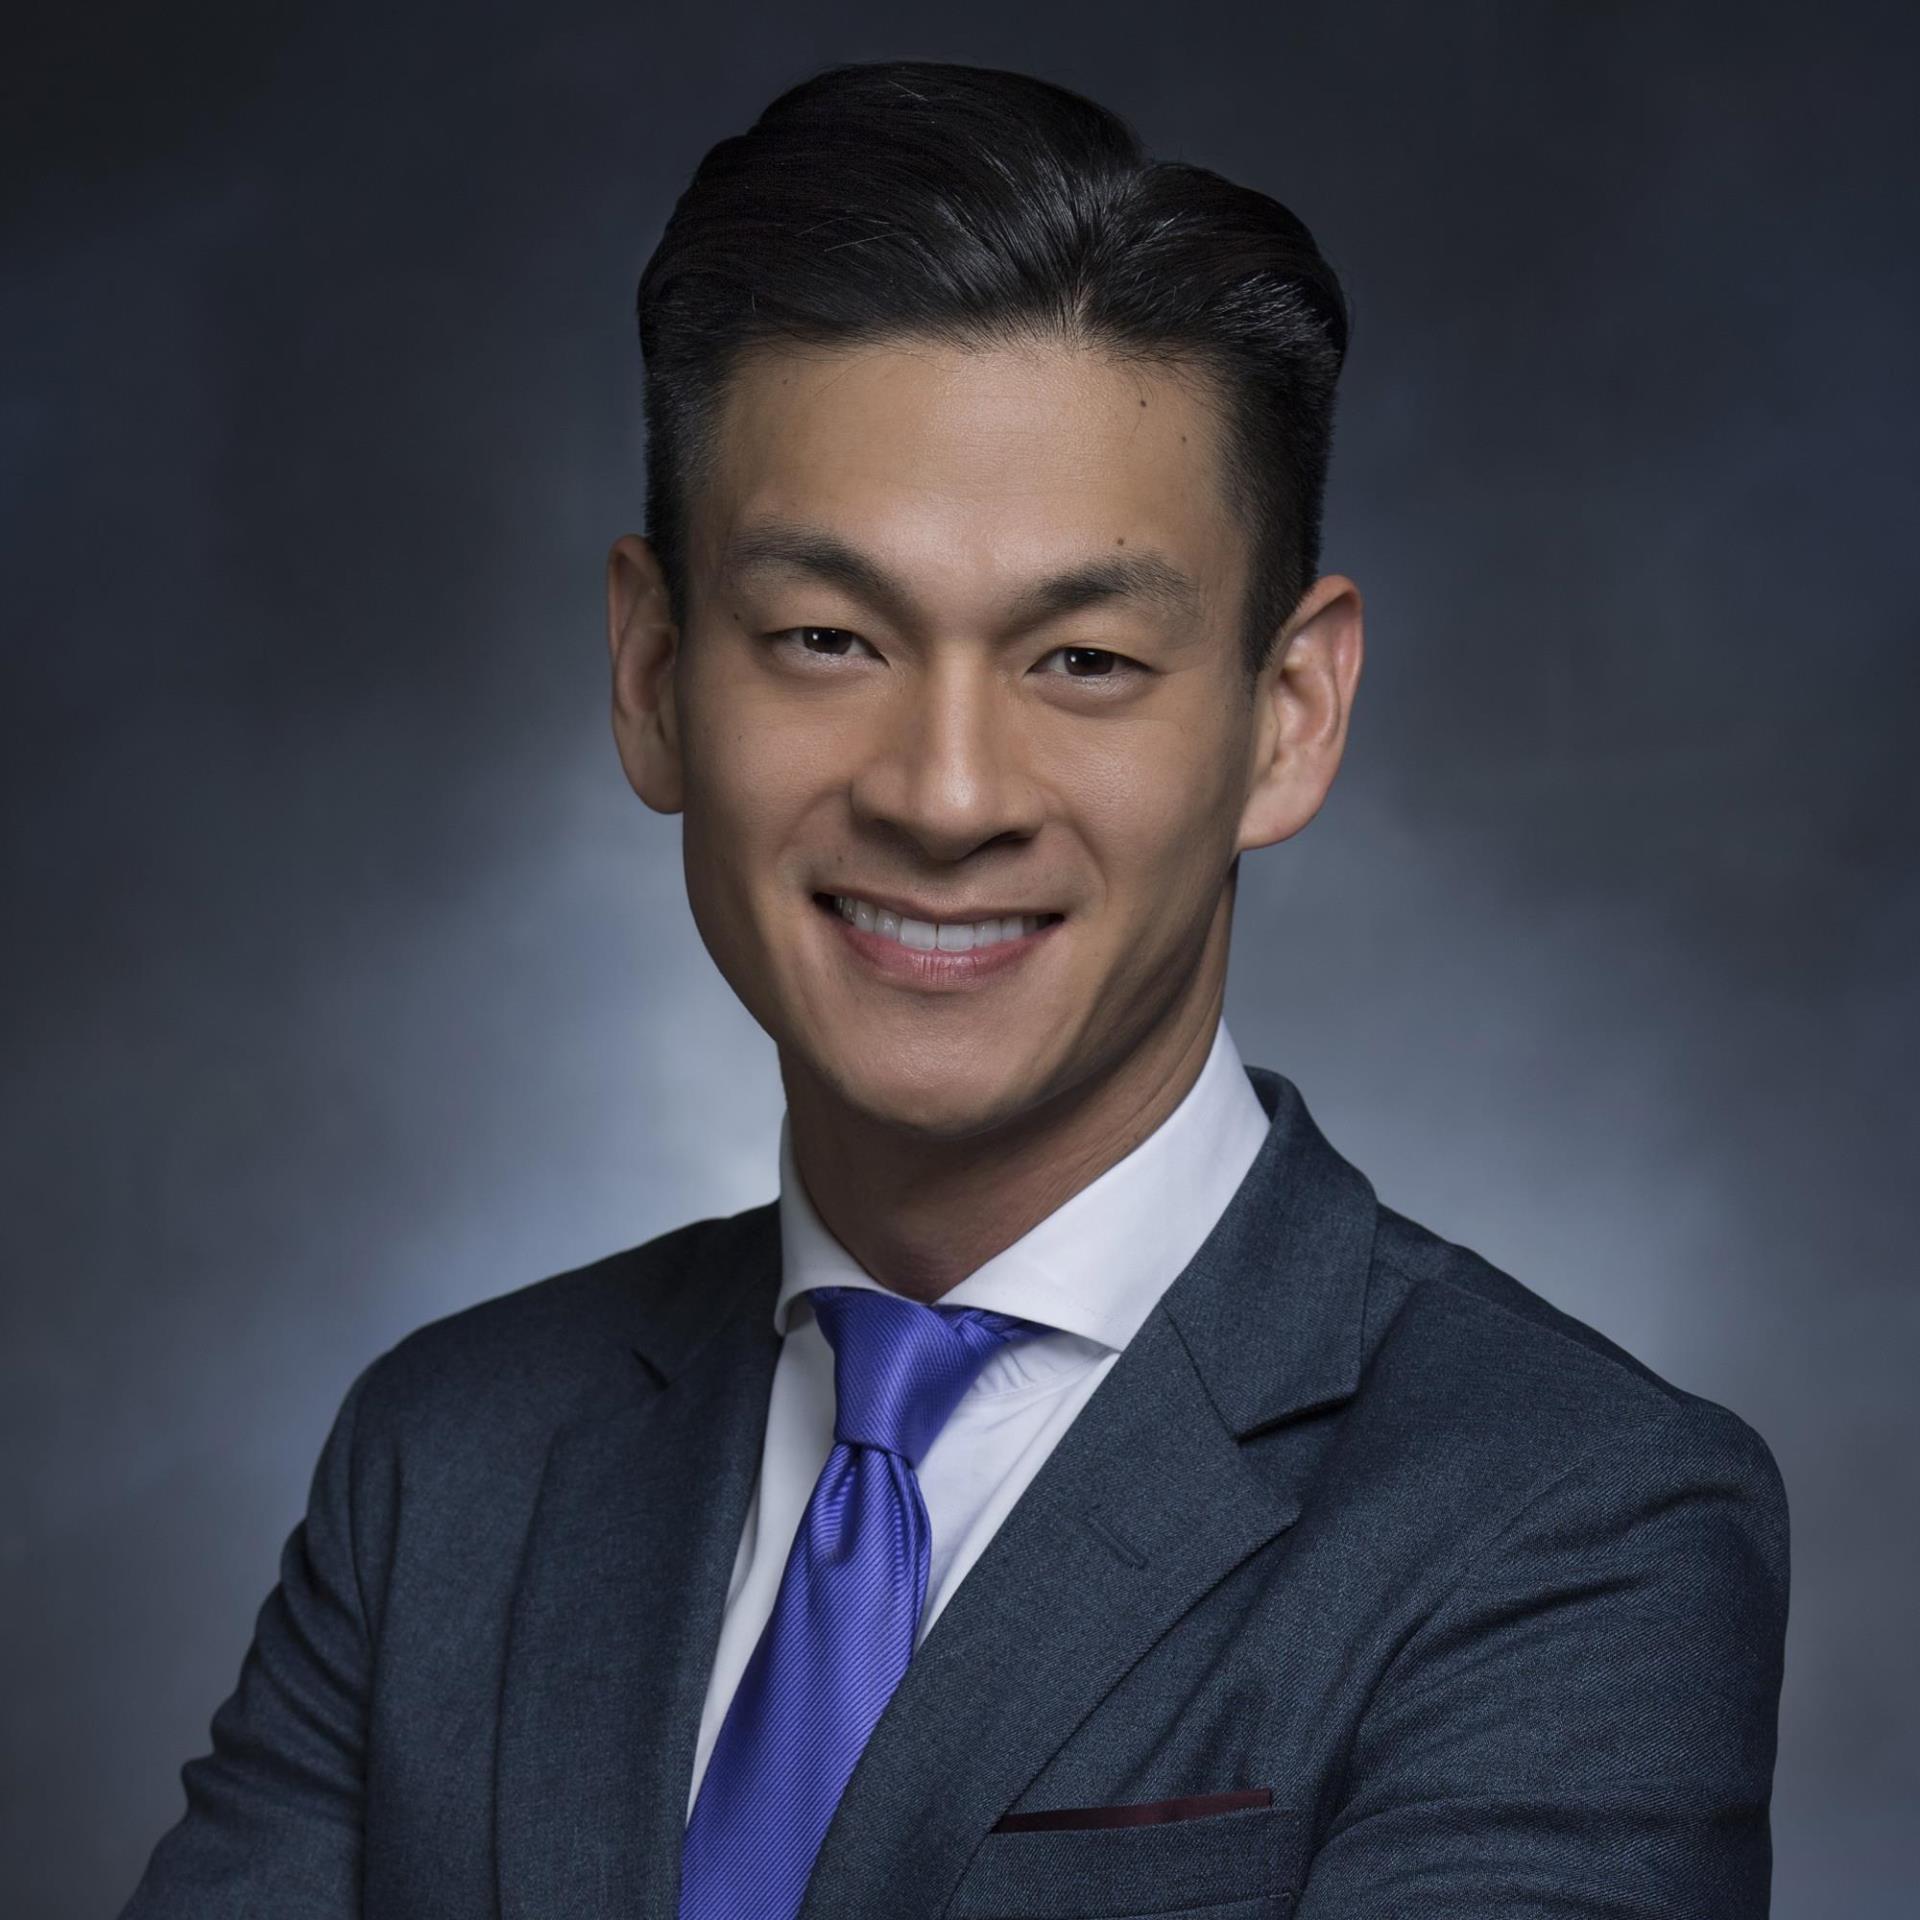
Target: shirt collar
1100,1261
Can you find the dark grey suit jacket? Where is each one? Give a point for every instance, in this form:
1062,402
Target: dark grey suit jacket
1492,1612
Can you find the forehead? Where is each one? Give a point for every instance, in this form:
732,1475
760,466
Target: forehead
985,464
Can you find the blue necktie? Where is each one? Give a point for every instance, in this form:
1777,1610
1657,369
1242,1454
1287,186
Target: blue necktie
843,1625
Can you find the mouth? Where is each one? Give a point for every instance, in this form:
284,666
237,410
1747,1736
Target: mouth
927,935
921,951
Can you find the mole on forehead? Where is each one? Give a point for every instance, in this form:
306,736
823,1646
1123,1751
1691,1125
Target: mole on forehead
984,376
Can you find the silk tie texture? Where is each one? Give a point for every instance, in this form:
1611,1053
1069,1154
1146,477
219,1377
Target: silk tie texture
843,1624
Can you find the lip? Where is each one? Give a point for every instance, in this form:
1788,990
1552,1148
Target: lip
935,971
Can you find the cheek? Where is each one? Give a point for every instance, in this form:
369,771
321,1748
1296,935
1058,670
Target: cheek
1164,825
751,783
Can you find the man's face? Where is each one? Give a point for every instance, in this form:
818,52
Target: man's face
962,643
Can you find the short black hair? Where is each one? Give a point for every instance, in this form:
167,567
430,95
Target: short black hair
916,199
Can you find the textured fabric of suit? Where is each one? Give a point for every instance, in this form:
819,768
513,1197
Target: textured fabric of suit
1495,1612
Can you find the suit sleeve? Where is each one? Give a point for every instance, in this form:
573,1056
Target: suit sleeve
1584,1729
273,1819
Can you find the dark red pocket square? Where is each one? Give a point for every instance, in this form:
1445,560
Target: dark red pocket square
1141,1813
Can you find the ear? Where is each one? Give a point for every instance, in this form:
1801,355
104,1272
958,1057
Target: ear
644,644
1302,699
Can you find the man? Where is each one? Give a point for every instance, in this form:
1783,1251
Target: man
1077,1495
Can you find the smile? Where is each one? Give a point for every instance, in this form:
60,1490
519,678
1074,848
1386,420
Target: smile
936,936
924,955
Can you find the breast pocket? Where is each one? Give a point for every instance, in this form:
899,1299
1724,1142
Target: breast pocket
1221,1866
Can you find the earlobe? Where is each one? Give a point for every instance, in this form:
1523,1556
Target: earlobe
643,643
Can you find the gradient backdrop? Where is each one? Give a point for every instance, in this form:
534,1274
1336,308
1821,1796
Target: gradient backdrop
348,983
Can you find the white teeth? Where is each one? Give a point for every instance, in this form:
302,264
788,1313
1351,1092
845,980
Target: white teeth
925,936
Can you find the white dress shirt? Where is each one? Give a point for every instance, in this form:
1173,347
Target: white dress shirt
1093,1269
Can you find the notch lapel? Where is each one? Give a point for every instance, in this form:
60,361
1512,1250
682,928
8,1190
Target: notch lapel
1145,1505
620,1597
1141,1508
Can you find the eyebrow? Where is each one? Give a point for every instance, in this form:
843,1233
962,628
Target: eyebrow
1142,575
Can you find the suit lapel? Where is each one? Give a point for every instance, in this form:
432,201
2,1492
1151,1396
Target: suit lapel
1146,1504
621,1594
1142,1507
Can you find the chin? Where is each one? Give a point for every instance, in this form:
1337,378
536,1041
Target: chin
939,1105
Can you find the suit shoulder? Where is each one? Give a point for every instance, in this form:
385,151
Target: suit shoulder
552,1347
1416,1256
1473,1352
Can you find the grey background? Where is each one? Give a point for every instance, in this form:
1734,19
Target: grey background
348,984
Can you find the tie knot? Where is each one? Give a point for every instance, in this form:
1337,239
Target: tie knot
900,1367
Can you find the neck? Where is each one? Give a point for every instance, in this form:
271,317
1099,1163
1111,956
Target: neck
920,1215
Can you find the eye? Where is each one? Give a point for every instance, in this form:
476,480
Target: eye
1095,663
818,643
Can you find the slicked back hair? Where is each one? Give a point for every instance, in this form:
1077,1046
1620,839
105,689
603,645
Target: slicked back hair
973,207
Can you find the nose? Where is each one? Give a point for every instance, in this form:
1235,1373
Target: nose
946,765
